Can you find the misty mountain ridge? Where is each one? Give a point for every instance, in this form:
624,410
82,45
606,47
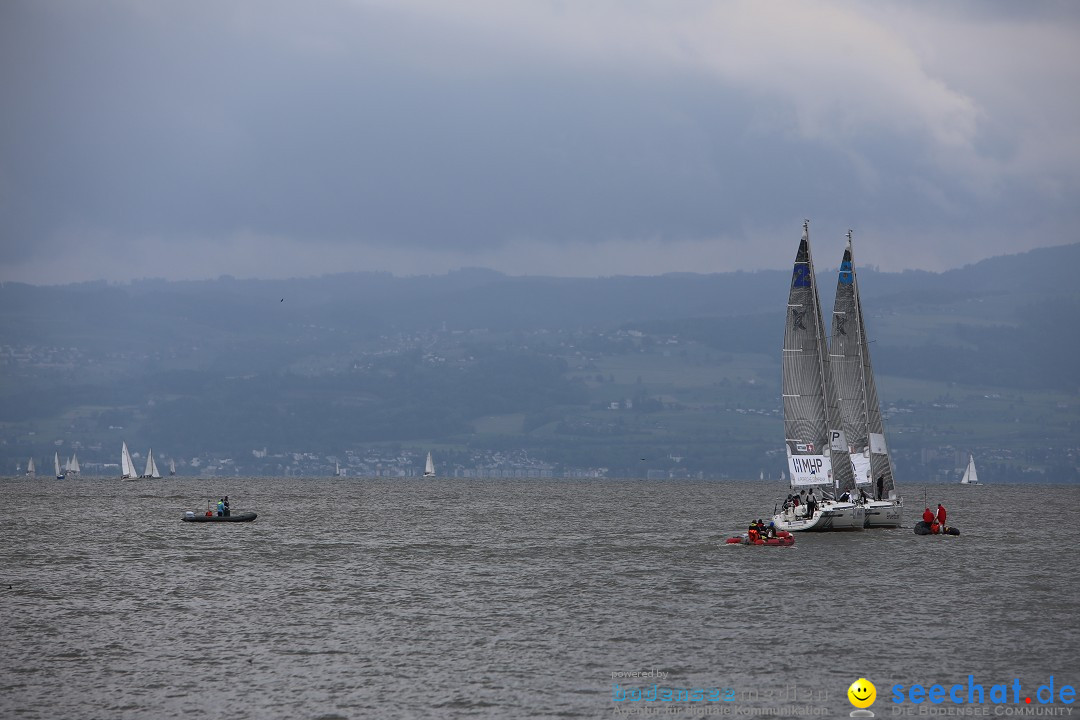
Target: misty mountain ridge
579,371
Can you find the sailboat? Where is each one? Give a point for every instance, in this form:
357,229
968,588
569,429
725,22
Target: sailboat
172,467
817,449
970,476
30,471
860,410
56,466
429,467
151,471
127,467
73,465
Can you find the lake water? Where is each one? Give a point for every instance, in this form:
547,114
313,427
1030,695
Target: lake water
363,598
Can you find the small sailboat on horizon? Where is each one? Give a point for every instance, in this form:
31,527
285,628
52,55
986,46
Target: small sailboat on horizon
151,471
30,470
429,467
127,467
971,477
58,471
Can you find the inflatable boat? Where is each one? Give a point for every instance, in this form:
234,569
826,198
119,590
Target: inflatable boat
923,528
783,538
235,517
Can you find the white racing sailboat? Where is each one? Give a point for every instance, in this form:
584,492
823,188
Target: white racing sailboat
429,467
817,450
151,471
860,410
127,467
56,466
970,476
172,467
30,470
72,465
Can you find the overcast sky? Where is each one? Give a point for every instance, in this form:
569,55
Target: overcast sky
274,139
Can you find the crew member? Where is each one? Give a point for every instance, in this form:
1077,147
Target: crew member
221,507
941,515
225,505
928,516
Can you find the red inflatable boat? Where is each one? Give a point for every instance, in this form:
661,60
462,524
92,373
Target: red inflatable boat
782,539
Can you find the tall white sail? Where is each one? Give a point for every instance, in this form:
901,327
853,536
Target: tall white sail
56,465
172,467
429,467
73,464
151,467
817,449
30,471
970,476
127,467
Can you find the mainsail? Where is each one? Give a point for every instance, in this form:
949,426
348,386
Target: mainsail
151,467
849,362
30,471
970,476
56,466
816,447
127,467
429,467
73,464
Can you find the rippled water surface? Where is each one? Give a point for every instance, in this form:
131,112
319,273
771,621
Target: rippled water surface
451,598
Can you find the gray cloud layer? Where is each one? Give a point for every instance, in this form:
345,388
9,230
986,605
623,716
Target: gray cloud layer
254,138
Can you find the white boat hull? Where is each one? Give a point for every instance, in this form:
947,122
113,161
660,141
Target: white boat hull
829,515
884,513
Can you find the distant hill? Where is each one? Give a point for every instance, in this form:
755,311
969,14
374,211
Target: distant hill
358,358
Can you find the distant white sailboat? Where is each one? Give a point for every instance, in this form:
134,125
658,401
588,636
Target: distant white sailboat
429,467
172,467
73,464
30,471
56,466
151,471
970,476
127,467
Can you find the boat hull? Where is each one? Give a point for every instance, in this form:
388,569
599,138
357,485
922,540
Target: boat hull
828,516
923,528
884,513
235,517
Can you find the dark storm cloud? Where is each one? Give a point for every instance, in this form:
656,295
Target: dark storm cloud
479,130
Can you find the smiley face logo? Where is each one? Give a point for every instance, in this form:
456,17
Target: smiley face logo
862,693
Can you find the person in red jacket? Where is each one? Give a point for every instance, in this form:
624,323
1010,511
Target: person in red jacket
928,516
941,515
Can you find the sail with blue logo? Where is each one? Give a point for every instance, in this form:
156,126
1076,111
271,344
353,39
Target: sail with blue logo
853,373
817,450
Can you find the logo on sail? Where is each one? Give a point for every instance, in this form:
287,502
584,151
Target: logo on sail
846,276
796,318
801,276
